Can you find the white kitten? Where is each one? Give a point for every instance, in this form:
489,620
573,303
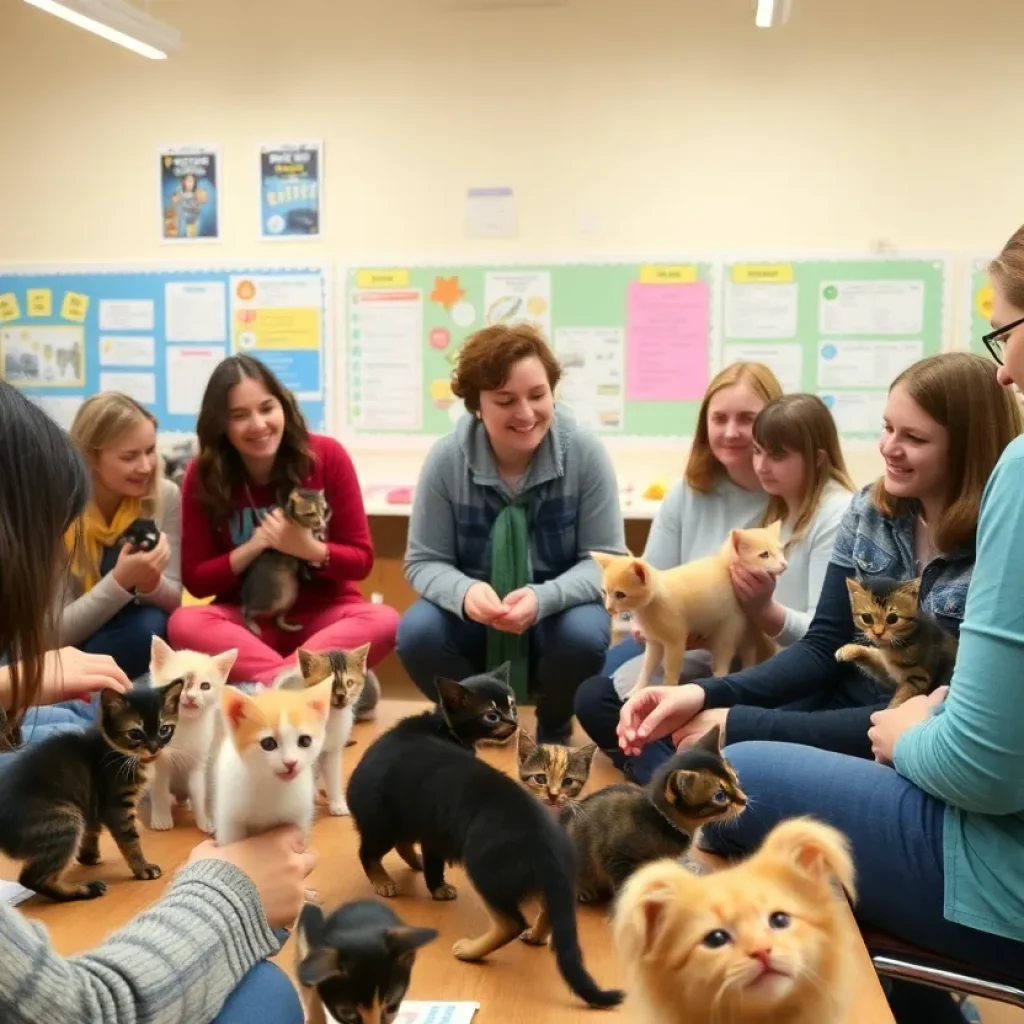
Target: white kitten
182,768
347,672
264,770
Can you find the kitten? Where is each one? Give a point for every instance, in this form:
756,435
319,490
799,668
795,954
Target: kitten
910,652
271,584
59,794
347,672
693,599
355,964
184,768
263,775
142,534
420,782
552,773
765,940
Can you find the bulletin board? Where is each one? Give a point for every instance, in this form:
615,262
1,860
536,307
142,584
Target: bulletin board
157,333
634,338
979,306
840,328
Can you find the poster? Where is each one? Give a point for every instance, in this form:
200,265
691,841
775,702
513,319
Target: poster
291,190
190,194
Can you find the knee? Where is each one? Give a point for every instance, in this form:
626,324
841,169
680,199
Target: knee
383,627
580,636
265,994
186,625
421,630
151,621
595,703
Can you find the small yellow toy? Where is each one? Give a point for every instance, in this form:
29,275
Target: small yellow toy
657,490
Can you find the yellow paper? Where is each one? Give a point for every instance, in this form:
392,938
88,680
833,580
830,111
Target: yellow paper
762,273
441,390
75,307
9,308
40,302
983,302
382,278
686,274
277,329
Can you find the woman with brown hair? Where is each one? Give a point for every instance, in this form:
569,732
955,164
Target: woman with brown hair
254,448
506,511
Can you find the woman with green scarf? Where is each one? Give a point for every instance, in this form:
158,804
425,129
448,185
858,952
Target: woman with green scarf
506,511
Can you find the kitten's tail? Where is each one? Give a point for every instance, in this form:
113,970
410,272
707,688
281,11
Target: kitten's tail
560,899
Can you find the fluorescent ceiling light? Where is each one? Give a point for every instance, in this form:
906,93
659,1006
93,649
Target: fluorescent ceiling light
119,22
771,13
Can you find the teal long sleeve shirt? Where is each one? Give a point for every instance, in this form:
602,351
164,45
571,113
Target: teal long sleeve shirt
970,753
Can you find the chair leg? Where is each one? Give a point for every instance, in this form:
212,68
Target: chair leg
949,980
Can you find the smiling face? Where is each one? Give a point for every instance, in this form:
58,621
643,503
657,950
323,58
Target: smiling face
126,465
731,415
915,448
255,421
518,415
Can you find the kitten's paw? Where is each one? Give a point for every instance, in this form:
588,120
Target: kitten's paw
90,858
386,889
160,822
148,872
531,938
445,892
93,890
465,949
338,809
204,825
849,652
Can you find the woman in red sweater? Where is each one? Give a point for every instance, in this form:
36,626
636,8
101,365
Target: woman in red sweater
253,449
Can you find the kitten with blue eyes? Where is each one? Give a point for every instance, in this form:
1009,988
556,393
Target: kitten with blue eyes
59,794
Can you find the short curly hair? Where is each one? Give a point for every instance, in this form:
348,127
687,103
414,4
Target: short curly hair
488,356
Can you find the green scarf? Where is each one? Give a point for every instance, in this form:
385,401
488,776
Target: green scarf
510,570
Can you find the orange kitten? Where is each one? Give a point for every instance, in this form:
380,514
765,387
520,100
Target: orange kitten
264,773
766,940
695,599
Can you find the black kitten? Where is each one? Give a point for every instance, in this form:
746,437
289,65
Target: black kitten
356,961
420,782
58,795
143,535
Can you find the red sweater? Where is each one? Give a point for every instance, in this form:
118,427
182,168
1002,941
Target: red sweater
206,548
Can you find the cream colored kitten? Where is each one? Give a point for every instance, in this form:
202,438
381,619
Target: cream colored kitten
182,769
695,599
264,771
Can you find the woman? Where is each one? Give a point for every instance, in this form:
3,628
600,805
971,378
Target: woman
117,596
937,818
506,511
719,492
254,448
201,950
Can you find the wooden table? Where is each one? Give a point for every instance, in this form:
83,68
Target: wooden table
517,985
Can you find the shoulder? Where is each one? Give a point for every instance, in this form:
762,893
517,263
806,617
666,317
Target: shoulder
327,451
865,539
447,452
169,497
582,446
833,507
1007,480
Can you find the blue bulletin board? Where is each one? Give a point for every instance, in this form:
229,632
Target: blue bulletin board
157,333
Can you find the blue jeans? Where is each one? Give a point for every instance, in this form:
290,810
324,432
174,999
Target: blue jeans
896,833
127,637
564,650
264,996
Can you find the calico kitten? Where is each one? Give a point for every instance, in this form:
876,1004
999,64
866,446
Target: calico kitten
552,773
695,599
271,584
765,940
184,768
263,775
59,794
909,651
347,672
621,827
142,534
356,963
421,783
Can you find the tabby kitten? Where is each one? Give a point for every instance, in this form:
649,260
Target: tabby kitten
909,651
356,963
271,584
621,827
59,794
552,773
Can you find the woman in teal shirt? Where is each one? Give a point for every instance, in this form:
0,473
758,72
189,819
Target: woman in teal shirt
937,820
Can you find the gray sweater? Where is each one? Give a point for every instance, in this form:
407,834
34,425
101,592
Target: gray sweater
573,509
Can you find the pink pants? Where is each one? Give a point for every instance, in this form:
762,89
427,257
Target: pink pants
214,628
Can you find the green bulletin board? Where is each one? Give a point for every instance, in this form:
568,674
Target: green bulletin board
841,328
979,315
634,339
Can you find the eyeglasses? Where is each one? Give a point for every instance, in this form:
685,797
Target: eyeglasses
995,341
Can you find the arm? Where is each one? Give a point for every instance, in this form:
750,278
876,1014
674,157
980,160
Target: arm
84,615
175,963
598,528
206,568
167,595
664,542
844,730
971,753
349,548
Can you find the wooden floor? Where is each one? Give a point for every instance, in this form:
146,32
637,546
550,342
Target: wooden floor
518,985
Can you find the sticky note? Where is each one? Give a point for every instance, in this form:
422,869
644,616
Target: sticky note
74,307
762,273
983,301
382,278
40,302
9,308
651,274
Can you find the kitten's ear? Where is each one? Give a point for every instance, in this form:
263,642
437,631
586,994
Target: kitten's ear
360,656
525,745
711,740
306,661
403,942
311,924
814,850
226,662
776,528
853,585
640,570
736,539
503,673
110,701
680,781
586,754
319,965
603,558
172,696
452,695
912,588
319,697
159,652
644,909
236,705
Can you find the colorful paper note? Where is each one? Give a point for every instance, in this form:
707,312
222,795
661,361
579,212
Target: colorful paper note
40,302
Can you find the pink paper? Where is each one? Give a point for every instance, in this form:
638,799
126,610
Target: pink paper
667,340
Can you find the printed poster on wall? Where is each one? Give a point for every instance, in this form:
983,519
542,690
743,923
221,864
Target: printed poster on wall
190,194
290,190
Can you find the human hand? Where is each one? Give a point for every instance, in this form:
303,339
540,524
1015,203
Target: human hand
482,604
753,588
71,674
132,569
281,534
152,568
656,711
698,726
889,725
520,611
276,862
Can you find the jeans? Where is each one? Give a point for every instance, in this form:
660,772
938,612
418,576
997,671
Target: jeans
896,834
564,649
264,996
127,637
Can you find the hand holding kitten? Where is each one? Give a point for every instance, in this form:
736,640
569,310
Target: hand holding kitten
71,674
889,725
289,538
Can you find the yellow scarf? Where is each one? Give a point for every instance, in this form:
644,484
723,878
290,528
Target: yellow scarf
98,534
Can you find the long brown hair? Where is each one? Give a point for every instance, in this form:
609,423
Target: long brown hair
1007,269
960,392
219,468
703,470
801,423
45,485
